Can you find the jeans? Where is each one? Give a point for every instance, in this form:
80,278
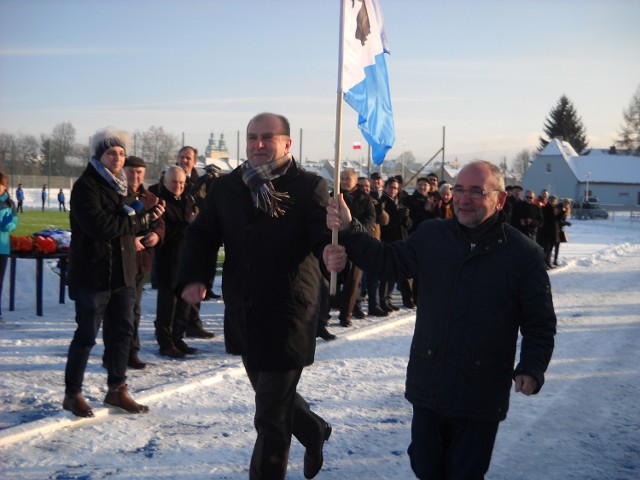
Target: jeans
92,307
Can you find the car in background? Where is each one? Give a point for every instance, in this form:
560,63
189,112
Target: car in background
589,211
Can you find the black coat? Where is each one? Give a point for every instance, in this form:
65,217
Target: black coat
177,216
103,253
399,220
463,349
271,275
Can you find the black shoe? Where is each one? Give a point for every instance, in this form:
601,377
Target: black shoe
313,458
324,334
409,304
184,348
555,262
199,332
172,352
393,307
358,313
136,363
211,296
345,321
377,312
77,405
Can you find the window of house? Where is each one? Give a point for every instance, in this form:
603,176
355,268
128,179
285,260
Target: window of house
548,167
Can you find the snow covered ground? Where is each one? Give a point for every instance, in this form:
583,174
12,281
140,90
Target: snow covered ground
585,424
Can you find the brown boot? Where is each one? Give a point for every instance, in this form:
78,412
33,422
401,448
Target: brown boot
76,404
118,396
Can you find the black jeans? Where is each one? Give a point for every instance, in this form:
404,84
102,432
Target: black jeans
445,448
92,307
280,412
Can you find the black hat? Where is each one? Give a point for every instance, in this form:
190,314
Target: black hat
517,187
133,161
375,176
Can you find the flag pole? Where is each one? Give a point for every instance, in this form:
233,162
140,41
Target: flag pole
333,284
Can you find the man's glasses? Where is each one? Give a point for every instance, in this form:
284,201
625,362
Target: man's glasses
475,193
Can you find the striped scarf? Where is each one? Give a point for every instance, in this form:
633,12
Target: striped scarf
258,179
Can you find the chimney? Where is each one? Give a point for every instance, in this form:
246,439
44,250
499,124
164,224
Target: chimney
612,150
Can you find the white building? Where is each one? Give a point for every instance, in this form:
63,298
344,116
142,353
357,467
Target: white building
614,179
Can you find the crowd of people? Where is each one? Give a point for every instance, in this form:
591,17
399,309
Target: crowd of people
274,220
541,217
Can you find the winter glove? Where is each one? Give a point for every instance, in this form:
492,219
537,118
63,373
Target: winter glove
6,220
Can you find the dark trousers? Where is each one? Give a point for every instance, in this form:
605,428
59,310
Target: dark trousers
280,412
135,337
92,307
349,293
171,316
445,448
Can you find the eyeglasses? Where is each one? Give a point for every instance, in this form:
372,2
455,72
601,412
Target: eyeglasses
474,193
529,198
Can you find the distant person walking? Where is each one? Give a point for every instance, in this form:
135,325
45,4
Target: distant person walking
61,206
20,197
8,223
43,195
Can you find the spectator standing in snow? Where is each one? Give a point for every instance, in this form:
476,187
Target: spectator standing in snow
102,270
492,284
8,223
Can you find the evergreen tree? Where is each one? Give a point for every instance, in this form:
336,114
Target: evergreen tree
630,134
563,121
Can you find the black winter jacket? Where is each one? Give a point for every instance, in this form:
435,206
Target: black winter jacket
103,253
271,274
464,346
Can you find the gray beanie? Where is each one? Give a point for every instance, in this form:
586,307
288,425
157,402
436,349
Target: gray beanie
109,137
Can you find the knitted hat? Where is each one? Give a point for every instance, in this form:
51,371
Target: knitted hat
133,161
107,138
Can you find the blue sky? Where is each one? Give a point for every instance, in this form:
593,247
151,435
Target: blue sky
490,71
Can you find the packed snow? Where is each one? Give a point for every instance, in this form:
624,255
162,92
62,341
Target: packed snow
584,424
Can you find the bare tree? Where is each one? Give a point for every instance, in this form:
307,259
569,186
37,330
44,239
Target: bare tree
63,137
158,149
630,133
522,162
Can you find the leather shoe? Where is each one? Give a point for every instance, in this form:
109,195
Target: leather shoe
377,312
313,458
324,334
358,313
345,321
209,295
184,348
172,352
119,397
76,404
409,304
199,332
136,363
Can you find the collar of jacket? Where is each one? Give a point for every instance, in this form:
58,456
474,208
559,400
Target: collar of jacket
487,239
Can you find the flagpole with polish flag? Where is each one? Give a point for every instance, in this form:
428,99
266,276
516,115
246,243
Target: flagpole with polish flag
363,83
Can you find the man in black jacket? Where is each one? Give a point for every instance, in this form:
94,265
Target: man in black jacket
492,283
102,270
271,215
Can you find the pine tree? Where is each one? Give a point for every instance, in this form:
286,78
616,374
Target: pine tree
630,134
563,121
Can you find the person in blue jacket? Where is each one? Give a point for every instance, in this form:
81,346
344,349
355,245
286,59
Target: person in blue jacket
8,223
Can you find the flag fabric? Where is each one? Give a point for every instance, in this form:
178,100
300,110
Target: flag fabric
357,146
364,81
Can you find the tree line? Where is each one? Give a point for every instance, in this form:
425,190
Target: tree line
59,153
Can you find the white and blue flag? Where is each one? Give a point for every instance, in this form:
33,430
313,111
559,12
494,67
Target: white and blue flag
364,80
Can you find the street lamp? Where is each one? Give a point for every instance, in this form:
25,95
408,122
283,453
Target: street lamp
586,194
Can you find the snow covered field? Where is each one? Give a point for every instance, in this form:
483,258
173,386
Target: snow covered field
585,423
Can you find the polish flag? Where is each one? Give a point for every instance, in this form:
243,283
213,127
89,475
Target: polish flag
357,146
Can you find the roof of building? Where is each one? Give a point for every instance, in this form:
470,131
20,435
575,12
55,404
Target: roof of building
601,166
